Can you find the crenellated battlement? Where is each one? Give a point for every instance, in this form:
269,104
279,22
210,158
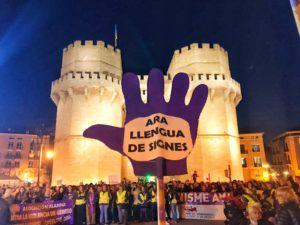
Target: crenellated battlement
81,82
88,43
215,82
90,55
203,47
200,58
196,79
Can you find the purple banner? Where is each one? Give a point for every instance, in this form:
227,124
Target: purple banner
203,198
46,213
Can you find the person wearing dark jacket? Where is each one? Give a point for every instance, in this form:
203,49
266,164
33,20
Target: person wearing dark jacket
80,206
4,212
36,195
22,196
254,216
287,212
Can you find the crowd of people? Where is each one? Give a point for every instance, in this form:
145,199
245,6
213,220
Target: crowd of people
249,203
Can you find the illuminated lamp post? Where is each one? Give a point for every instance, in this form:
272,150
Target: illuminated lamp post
286,173
49,155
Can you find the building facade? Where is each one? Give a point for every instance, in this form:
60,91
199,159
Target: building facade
20,155
88,92
285,153
253,157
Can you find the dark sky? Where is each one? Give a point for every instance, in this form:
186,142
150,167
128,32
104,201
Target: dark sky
260,36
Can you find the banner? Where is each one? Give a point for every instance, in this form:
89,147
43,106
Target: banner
202,205
46,213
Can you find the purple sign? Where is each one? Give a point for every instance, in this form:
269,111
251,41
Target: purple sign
157,131
51,212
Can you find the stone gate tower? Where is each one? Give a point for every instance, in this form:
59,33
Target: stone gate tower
89,92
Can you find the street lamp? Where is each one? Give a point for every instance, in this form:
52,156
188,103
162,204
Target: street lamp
49,155
266,166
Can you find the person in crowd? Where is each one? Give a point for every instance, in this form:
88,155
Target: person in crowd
287,212
22,196
194,176
80,206
8,197
173,199
36,195
254,216
143,199
122,204
103,204
234,208
55,193
112,204
136,206
90,206
61,192
47,194
153,203
69,194
4,212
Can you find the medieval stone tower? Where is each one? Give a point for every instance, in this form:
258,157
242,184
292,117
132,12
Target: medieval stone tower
89,92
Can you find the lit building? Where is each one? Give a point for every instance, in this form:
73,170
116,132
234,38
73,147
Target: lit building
253,157
88,92
285,153
20,155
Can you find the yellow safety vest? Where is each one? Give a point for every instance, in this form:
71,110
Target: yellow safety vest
104,197
121,197
153,197
80,200
142,197
249,198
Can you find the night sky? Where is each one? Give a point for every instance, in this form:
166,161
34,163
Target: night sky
260,36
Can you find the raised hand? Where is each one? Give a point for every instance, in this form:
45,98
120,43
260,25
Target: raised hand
157,129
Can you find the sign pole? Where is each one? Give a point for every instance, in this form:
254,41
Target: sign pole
161,210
